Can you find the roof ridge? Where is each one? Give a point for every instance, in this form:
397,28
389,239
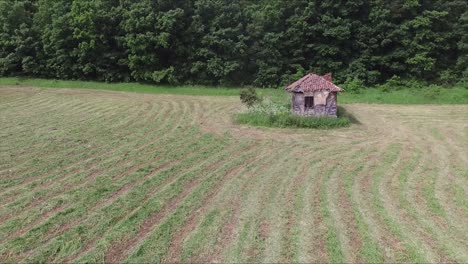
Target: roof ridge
313,82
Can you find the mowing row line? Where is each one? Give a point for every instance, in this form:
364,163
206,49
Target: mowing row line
426,209
196,247
84,210
119,207
100,144
218,230
70,169
41,120
197,219
258,233
79,190
157,248
116,168
104,125
62,143
167,200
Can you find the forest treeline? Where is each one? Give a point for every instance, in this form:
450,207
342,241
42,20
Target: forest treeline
234,42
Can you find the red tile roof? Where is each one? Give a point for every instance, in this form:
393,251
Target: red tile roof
314,83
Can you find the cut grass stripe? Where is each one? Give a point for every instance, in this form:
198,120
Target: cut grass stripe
250,202
97,159
448,248
155,249
152,207
414,247
100,148
370,209
139,142
119,204
102,128
145,189
339,245
295,203
123,163
81,148
160,236
200,236
363,248
146,185
54,154
81,194
224,242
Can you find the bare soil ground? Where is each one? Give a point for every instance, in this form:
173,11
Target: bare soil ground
95,176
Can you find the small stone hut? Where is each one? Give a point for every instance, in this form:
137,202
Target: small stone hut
314,95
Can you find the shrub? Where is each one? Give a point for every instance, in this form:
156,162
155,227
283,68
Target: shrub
448,77
432,92
354,85
394,83
249,97
414,84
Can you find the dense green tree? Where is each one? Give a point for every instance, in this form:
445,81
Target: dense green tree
19,40
96,32
153,38
462,45
243,42
221,42
57,39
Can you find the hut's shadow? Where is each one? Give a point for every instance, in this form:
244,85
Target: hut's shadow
342,112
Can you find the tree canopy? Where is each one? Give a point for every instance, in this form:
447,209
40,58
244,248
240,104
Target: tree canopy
242,42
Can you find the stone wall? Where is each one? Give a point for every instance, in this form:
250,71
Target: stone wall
298,101
331,107
325,104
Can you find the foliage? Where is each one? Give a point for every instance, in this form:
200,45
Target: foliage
249,97
221,42
393,83
432,92
354,85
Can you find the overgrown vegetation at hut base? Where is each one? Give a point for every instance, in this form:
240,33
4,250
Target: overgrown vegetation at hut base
268,113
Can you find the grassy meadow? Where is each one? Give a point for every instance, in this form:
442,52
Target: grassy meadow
453,95
155,174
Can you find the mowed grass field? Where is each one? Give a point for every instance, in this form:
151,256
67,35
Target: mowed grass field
101,176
